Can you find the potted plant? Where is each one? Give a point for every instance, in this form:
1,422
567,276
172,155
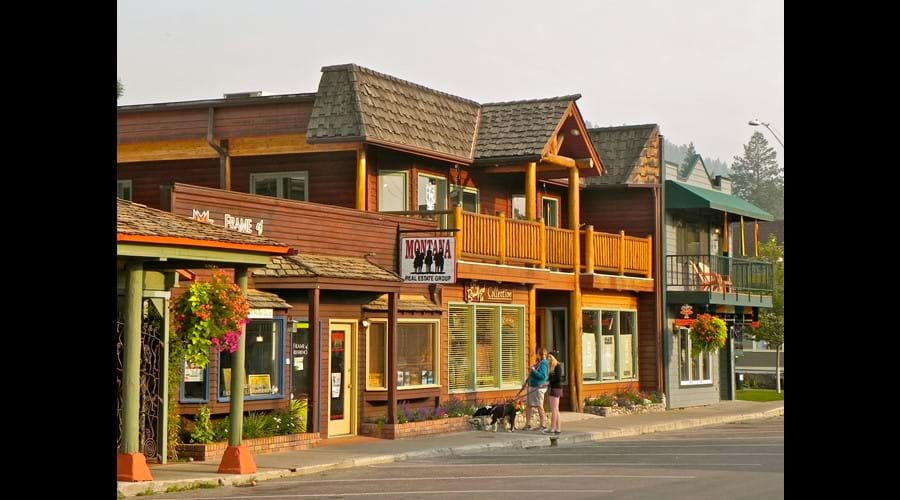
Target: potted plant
210,314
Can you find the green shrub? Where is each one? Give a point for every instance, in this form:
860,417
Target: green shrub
203,431
601,400
258,425
220,429
299,412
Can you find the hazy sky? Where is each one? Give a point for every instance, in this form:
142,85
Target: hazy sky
701,69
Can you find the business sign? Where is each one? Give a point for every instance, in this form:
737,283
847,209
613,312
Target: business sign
428,260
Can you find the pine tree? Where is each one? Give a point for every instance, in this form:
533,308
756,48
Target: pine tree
120,89
757,177
688,156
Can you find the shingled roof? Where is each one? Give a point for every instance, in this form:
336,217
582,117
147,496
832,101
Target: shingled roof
407,303
519,128
135,222
325,266
259,299
621,150
357,104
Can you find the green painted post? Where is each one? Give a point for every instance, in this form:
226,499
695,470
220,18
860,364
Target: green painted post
238,373
131,379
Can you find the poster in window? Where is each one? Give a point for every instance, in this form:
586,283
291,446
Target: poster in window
226,375
193,373
260,384
335,385
608,356
627,356
588,351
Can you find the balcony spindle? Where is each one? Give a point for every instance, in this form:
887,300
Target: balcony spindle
589,249
621,253
543,243
502,235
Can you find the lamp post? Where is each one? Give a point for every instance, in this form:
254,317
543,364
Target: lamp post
755,122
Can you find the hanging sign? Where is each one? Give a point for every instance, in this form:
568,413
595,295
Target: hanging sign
428,260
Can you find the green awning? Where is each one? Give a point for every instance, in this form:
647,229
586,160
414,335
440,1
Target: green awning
680,195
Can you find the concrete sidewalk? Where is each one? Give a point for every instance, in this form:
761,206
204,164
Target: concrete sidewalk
360,451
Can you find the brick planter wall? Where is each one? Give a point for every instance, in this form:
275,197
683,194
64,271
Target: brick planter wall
608,411
289,442
416,429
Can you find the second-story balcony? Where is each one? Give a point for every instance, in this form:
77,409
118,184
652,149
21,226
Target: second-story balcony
714,279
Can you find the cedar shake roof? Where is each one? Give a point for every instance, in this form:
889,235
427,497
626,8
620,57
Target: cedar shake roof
325,266
133,219
259,299
357,104
407,303
519,128
623,150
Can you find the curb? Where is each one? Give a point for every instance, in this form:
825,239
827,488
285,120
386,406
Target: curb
133,489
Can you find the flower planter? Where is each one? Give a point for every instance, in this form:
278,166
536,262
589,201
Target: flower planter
608,411
416,429
274,444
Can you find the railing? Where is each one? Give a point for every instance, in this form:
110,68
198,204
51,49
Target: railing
497,239
719,274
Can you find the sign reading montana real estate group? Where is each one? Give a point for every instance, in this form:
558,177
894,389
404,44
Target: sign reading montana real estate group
428,260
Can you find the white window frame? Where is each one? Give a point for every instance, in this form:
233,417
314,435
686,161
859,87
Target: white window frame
437,178
279,185
512,208
121,185
436,355
634,348
544,215
704,358
454,188
379,190
499,362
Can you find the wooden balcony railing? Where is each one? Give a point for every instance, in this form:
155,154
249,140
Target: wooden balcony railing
505,241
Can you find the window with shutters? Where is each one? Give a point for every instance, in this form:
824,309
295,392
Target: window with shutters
486,347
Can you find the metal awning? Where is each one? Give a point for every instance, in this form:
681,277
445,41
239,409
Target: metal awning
680,195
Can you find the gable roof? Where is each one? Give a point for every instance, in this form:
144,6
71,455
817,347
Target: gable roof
621,149
136,223
519,128
357,104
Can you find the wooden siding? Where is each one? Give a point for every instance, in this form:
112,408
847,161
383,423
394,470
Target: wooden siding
232,121
146,178
332,176
613,210
608,300
308,227
649,349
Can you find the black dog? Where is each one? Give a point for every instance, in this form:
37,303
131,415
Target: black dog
498,413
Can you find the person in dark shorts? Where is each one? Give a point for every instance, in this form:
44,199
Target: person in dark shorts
555,393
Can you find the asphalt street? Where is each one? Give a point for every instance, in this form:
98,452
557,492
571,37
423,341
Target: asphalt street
728,461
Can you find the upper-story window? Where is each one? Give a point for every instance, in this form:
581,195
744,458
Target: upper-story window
432,192
123,189
518,207
469,197
551,212
288,185
392,191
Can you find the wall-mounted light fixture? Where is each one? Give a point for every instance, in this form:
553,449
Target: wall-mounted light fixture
575,132
365,323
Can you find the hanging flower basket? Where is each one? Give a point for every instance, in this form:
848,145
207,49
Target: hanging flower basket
708,333
210,314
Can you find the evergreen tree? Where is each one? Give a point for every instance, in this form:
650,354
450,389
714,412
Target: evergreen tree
757,177
120,89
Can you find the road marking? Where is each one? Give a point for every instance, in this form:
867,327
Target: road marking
526,476
519,464
654,445
655,440
626,454
382,493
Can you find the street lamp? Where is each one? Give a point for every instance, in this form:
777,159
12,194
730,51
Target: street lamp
755,122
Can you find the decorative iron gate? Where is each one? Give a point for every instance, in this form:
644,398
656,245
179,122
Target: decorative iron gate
151,380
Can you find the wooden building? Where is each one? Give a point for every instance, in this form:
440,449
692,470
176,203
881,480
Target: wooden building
339,173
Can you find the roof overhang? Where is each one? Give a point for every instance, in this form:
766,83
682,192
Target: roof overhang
685,196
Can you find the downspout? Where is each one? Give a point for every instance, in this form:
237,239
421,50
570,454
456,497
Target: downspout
224,159
663,273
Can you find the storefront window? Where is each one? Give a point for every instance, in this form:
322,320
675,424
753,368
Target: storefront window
609,345
416,354
486,347
193,383
263,361
694,368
